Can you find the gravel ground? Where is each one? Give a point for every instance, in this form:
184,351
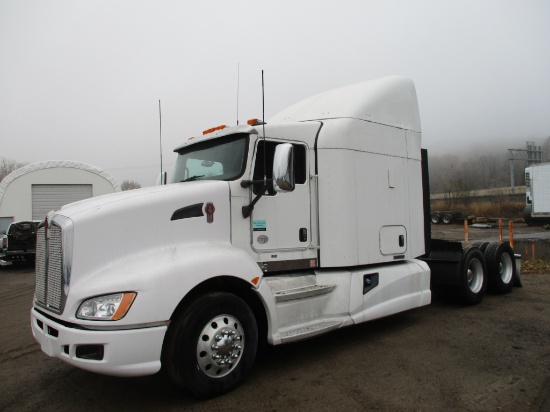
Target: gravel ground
491,357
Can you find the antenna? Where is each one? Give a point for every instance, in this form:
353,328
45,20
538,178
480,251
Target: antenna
162,179
238,81
263,128
247,210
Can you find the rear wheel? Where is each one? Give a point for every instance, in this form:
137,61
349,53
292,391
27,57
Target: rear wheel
473,276
447,219
481,245
436,218
501,266
211,346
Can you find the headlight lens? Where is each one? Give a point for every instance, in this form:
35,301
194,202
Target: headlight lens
108,307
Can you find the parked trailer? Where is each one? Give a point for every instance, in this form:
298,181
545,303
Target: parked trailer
282,231
447,217
537,194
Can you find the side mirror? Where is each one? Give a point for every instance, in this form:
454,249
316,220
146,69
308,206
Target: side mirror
283,168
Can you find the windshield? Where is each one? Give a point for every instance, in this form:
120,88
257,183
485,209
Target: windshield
218,159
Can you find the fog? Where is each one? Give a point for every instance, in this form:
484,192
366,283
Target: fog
82,80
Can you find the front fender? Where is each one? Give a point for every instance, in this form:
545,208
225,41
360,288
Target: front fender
161,278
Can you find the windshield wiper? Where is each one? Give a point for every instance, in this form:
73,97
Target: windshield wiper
189,179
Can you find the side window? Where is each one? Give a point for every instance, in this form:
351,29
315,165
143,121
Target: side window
268,147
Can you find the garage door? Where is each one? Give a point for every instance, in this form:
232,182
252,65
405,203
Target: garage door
4,223
52,197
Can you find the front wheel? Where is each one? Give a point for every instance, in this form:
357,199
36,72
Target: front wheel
210,347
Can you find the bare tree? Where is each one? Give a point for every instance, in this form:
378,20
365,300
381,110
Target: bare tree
7,166
444,172
546,150
129,185
462,192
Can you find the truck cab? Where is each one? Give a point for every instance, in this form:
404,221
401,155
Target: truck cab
278,231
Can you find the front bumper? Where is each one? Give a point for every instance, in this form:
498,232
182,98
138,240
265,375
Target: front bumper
131,352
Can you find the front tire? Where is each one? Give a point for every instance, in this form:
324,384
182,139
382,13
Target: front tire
210,347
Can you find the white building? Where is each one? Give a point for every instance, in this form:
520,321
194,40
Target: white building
30,192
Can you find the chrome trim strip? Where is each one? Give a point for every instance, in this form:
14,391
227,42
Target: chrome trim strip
71,325
128,327
66,226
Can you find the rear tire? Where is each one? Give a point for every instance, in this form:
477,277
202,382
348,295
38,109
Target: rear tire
481,245
210,347
501,267
436,218
473,276
447,219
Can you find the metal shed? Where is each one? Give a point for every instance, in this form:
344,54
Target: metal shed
30,192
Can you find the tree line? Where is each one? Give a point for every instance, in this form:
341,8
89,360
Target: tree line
459,176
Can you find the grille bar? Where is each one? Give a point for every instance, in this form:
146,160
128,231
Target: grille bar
41,256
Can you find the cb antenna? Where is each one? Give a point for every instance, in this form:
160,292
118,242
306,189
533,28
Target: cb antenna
162,179
263,128
238,81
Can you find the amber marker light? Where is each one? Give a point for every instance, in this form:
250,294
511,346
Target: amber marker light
125,303
213,129
255,281
255,122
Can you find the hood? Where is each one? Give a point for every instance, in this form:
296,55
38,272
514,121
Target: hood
112,228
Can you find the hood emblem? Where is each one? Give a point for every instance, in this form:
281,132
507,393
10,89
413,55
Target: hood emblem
209,210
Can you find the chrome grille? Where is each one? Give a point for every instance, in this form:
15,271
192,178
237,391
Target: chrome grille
49,269
40,291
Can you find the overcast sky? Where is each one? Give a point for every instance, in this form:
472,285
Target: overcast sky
81,80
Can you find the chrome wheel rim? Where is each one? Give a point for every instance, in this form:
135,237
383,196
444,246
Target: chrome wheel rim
475,275
506,269
220,346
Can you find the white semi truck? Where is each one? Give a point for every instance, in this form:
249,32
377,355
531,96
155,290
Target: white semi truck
315,221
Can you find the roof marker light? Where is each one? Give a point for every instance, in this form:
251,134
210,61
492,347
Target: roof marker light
254,122
213,129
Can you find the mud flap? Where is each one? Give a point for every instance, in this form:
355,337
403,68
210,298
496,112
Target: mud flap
517,278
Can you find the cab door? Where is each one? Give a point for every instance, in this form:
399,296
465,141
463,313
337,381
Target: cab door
281,222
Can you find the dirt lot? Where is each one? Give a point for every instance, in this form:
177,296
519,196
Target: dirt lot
490,357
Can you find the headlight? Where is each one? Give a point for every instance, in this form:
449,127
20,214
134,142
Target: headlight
108,307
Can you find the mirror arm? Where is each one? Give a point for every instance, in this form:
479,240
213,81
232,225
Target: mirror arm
248,183
247,210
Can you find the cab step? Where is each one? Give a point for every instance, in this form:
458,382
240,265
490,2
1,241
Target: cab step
309,331
304,292
285,288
